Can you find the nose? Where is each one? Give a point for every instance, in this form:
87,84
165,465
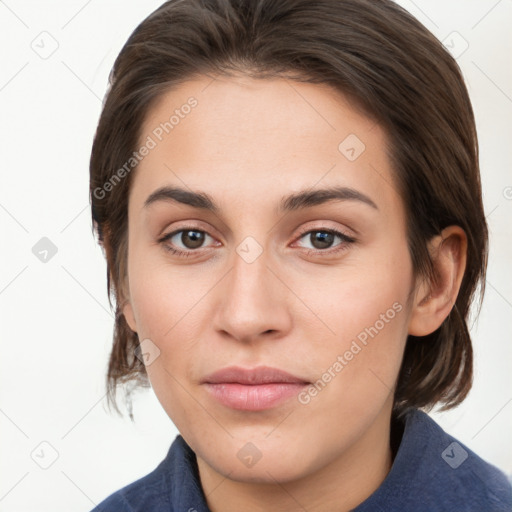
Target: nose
254,302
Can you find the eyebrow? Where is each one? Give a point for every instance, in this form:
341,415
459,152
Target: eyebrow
293,202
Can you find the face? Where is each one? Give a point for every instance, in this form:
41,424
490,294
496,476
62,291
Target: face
294,258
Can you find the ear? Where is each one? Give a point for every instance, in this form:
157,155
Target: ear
129,316
434,301
125,301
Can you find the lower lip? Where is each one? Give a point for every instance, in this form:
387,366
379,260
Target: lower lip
256,397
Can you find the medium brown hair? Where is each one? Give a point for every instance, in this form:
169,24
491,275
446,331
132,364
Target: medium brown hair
390,66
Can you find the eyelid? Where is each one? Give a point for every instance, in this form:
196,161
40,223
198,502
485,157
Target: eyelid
310,229
167,236
346,240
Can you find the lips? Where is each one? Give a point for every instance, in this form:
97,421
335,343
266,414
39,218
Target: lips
252,376
253,389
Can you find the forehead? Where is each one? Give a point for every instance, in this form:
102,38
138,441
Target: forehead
250,140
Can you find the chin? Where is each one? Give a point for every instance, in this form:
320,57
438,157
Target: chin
267,464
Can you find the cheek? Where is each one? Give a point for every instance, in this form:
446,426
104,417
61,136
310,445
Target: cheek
162,295
169,308
166,306
366,310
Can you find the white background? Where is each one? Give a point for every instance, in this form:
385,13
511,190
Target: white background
56,323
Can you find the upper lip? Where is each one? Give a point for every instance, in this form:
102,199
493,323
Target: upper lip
252,376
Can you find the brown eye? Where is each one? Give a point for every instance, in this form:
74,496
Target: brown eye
321,239
192,239
184,241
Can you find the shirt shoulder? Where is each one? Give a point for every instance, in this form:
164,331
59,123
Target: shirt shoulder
464,481
173,486
148,493
434,472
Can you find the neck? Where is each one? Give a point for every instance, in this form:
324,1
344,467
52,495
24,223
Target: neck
341,486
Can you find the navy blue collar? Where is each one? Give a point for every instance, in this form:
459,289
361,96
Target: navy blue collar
182,475
431,472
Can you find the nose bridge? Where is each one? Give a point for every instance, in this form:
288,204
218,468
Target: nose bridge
252,300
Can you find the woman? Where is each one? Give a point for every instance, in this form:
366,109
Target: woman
289,200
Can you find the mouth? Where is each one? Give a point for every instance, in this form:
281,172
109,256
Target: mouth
253,389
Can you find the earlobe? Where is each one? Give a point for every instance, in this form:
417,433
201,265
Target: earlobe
129,316
125,303
434,301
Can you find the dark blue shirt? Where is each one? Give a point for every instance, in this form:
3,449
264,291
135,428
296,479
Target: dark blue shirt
431,472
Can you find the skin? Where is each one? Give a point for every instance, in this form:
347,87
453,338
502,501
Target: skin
247,144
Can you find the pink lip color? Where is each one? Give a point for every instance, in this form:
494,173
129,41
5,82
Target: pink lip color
253,397
252,389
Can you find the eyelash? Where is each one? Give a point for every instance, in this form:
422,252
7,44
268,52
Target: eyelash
346,241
